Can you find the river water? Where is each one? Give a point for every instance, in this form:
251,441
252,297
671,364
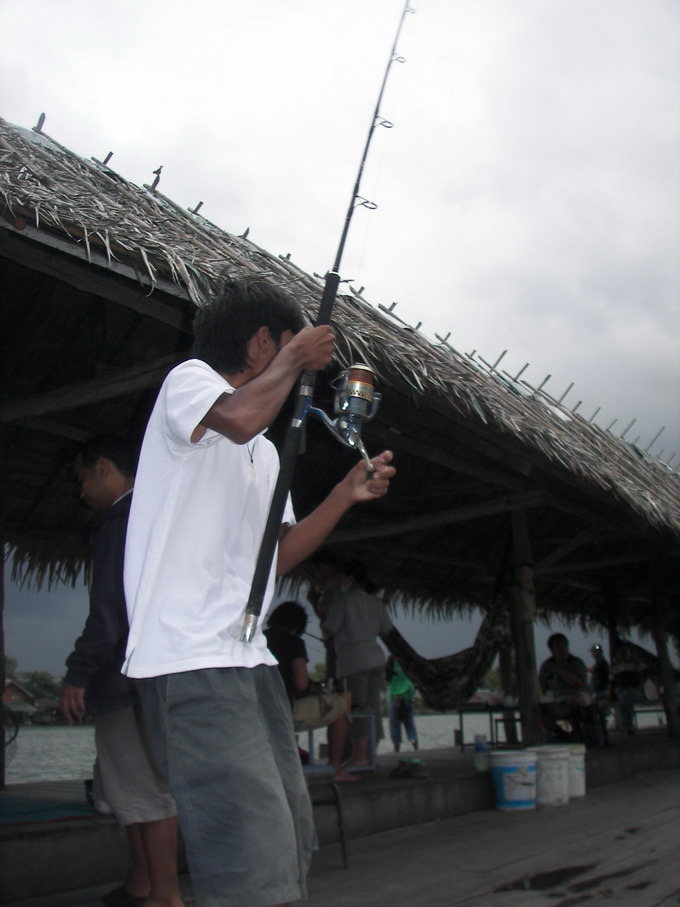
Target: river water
60,753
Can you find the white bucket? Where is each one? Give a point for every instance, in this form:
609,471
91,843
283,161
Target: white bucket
552,775
513,773
577,770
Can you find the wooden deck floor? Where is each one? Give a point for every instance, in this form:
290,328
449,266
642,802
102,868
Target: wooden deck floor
618,844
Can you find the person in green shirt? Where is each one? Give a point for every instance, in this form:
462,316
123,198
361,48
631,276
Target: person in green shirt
401,692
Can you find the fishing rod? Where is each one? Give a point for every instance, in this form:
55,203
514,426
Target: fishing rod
356,400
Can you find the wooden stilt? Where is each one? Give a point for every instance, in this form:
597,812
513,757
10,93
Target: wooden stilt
660,636
3,472
506,669
522,615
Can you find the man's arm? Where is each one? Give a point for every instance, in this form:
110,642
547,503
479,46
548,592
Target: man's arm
300,675
255,404
573,674
298,542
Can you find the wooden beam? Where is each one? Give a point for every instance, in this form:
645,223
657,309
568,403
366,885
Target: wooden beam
660,627
443,560
604,562
74,396
3,538
522,606
418,441
59,429
437,450
445,518
572,544
67,261
568,583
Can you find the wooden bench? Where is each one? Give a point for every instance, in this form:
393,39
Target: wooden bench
325,792
372,766
649,707
506,712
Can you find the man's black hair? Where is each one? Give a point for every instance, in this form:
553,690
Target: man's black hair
120,451
554,638
289,616
324,556
223,327
357,570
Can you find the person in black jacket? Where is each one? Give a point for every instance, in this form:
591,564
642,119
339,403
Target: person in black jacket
126,777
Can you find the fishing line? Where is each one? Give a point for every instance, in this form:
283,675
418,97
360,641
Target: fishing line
378,170
352,395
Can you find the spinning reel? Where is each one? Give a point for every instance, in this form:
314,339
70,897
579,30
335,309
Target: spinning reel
356,401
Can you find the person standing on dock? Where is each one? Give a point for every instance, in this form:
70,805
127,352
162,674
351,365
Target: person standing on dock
401,692
600,688
356,619
126,776
599,679
216,705
628,675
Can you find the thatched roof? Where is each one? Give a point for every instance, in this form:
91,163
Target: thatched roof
101,277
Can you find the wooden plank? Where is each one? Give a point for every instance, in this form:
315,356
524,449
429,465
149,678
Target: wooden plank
522,607
76,395
444,518
604,562
437,450
572,544
66,261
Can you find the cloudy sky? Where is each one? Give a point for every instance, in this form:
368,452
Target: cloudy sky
528,194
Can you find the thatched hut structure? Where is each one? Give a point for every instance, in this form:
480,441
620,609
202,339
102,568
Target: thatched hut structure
500,487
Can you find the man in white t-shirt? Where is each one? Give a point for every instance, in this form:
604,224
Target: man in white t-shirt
216,706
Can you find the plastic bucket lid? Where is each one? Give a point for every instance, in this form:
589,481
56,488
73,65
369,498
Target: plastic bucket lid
552,751
577,749
512,757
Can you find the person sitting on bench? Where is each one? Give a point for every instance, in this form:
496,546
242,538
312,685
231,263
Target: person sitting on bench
564,678
312,707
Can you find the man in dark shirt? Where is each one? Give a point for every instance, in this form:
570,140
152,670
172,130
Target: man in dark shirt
599,685
599,682
126,777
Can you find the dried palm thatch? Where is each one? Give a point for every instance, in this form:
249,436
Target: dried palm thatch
505,436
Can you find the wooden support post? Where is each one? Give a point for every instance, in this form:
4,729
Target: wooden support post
3,472
507,674
522,614
660,634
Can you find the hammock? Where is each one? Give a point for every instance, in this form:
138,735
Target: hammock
446,683
652,662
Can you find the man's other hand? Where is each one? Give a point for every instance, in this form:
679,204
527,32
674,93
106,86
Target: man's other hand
363,489
72,703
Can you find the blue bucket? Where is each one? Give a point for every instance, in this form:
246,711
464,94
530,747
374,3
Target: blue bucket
513,773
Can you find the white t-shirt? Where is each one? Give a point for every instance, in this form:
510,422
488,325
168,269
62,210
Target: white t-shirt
196,523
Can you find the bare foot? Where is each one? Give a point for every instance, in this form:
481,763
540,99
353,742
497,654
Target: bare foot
342,775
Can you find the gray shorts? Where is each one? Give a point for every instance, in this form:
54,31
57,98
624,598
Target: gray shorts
366,687
126,774
225,739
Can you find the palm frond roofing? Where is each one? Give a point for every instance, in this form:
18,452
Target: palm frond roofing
47,186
